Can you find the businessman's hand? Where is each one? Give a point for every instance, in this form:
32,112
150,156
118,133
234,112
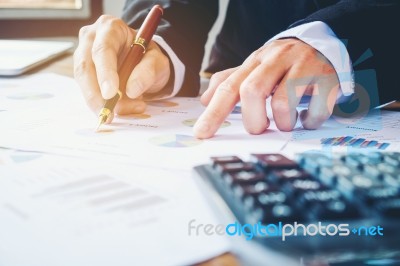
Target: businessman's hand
102,48
285,69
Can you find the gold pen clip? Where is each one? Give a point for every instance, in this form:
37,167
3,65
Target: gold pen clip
141,42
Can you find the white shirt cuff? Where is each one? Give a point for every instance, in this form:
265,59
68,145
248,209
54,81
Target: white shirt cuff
321,37
179,67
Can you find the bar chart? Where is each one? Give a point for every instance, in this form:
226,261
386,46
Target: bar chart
354,142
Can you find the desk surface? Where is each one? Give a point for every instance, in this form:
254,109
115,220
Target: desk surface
64,66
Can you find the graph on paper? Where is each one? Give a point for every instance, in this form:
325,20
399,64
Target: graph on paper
350,141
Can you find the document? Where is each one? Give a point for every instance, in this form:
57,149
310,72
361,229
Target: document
71,196
56,210
378,130
47,113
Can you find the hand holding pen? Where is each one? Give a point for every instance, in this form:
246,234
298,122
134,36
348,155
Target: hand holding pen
105,61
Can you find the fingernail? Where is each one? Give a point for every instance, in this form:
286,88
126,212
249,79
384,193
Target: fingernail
107,90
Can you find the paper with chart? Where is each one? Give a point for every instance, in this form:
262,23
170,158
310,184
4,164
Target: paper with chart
377,131
47,113
56,210
118,189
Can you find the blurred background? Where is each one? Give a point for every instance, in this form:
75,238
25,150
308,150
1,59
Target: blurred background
22,19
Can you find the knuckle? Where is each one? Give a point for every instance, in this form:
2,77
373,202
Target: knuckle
114,22
98,49
104,19
81,67
85,32
284,46
327,69
112,25
252,89
217,77
227,87
255,57
308,53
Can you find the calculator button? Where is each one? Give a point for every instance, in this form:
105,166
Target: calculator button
243,177
235,167
392,160
297,187
225,159
386,168
250,190
247,176
277,213
334,210
350,185
374,195
389,208
353,161
370,158
372,171
328,176
286,175
342,170
319,196
274,161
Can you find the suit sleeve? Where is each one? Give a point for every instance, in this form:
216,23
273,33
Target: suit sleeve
184,26
369,30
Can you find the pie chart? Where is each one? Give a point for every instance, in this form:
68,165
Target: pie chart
175,141
134,116
162,103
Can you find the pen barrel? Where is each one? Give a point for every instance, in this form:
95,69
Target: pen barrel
150,23
133,58
138,48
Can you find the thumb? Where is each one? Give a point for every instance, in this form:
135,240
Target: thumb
150,75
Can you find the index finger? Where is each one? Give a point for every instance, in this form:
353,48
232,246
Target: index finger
84,69
225,98
110,40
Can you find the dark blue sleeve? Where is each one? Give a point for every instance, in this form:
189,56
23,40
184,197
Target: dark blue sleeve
184,26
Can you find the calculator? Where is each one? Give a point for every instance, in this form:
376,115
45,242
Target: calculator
324,208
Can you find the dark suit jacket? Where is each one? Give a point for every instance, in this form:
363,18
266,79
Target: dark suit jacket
366,26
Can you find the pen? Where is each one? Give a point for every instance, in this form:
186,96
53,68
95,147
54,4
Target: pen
135,54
